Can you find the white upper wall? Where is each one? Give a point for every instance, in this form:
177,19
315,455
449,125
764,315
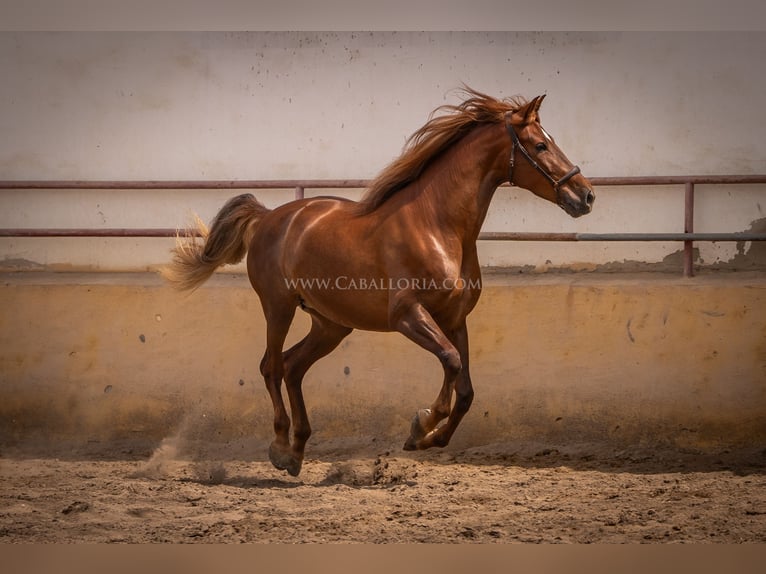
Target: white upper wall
314,105
272,105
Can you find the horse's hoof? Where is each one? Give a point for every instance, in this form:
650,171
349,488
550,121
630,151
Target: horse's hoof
417,429
294,468
283,459
278,456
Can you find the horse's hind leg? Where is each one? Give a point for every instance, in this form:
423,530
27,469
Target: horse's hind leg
323,337
272,368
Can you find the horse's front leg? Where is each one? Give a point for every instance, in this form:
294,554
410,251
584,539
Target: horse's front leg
463,396
415,323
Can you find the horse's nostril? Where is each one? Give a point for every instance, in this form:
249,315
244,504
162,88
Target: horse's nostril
590,197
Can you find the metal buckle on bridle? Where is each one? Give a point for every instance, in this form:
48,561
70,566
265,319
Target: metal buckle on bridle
517,144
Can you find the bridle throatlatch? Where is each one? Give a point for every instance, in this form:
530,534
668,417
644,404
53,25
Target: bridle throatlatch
517,144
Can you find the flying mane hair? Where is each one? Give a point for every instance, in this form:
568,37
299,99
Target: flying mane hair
434,137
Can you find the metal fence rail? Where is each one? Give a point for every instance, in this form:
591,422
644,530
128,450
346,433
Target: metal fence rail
688,237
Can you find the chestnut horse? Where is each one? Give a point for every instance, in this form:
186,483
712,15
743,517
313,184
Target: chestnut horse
401,259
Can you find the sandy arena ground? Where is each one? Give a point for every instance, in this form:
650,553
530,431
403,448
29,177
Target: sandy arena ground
498,494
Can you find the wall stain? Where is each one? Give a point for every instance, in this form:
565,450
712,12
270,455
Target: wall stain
752,259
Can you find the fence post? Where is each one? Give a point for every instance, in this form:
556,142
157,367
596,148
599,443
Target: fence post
689,228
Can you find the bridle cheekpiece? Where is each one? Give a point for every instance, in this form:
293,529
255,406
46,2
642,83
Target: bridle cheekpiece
517,144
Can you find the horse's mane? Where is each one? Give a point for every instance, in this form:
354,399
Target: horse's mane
440,132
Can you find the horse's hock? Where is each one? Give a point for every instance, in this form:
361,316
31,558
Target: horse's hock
96,360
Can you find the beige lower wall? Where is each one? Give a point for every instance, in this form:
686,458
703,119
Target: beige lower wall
644,360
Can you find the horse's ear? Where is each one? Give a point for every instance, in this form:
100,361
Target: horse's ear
527,113
533,109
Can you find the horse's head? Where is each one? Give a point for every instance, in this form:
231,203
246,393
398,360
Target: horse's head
539,165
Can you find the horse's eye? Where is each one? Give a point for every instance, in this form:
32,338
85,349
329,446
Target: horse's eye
541,147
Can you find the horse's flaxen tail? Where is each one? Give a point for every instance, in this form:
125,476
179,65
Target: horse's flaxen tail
226,242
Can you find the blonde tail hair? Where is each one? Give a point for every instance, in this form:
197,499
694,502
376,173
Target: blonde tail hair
226,242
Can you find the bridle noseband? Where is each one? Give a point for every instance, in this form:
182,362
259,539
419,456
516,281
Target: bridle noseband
517,144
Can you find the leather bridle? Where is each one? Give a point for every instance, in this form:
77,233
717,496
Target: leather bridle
517,144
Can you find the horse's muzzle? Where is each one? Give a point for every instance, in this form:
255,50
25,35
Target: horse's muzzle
577,201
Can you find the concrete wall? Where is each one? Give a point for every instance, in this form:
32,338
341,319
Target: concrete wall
621,360
271,105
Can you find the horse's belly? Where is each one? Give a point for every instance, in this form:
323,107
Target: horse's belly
349,305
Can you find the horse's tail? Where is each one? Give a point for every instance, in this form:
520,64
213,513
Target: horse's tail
226,242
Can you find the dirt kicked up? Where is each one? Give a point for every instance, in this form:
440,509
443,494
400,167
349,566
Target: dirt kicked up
492,494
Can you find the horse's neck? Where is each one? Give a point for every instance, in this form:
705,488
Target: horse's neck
459,187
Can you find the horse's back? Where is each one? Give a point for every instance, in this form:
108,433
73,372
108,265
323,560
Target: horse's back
301,229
